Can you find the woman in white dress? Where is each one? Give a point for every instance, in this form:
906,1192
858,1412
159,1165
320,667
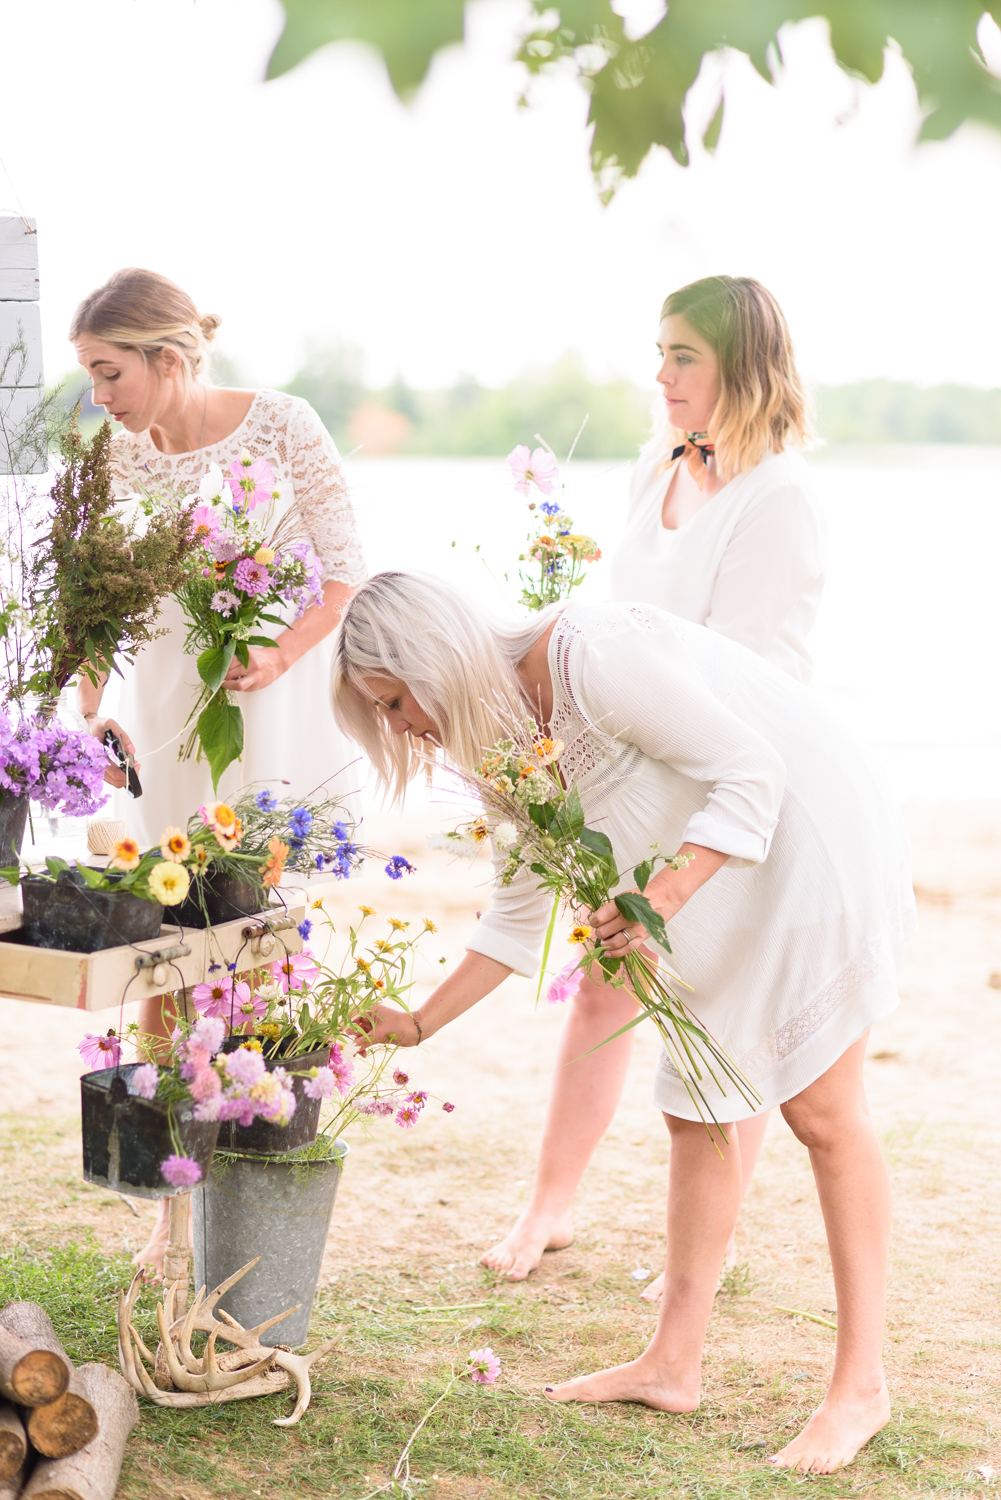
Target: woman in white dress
144,345
723,530
788,921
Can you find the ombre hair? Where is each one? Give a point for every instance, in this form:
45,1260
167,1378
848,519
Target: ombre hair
144,311
762,406
457,662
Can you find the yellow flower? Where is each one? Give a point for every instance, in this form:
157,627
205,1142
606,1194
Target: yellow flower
175,845
363,963
367,911
397,925
200,856
317,904
126,855
380,984
264,555
270,1029
429,925
220,814
479,830
381,946
168,883
580,934
253,1045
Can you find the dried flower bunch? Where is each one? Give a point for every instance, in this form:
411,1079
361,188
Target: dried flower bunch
558,551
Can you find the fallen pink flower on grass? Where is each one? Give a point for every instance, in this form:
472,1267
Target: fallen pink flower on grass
100,1051
566,983
181,1171
483,1366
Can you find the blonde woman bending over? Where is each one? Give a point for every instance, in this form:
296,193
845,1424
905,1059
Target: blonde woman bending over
787,921
724,531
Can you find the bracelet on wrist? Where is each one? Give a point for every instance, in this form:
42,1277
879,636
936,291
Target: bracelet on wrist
91,715
420,1033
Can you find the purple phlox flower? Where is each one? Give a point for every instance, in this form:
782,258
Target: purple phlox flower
145,1080
181,1171
305,928
448,1108
418,1098
341,1069
566,983
398,866
252,482
100,1051
61,768
381,1108
265,801
406,1116
483,1366
252,577
224,601
527,468
226,550
320,1087
246,1065
300,821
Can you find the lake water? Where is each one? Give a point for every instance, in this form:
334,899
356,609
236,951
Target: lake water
906,645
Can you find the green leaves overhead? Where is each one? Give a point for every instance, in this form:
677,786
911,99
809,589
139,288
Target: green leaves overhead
638,86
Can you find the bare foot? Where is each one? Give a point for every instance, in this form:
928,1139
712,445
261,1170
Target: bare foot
640,1380
835,1433
655,1290
519,1252
150,1258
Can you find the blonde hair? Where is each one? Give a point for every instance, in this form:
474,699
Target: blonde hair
762,406
142,310
457,662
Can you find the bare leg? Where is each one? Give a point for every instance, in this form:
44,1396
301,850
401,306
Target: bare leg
156,1018
582,1101
702,1205
831,1118
751,1134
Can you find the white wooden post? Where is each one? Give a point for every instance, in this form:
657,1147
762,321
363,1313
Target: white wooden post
22,384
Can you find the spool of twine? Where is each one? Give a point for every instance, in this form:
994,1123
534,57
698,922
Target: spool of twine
104,833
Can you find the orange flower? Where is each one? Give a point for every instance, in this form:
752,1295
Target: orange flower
274,867
126,855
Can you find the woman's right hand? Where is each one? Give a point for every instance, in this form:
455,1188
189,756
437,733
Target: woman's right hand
384,1026
97,726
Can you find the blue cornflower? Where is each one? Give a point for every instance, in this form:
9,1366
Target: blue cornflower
305,928
300,822
549,508
231,968
564,532
319,861
266,802
398,866
340,832
214,968
295,844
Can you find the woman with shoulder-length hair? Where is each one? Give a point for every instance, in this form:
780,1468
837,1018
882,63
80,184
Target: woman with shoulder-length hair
787,920
724,531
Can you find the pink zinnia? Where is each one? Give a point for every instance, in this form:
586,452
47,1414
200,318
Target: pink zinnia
566,983
252,483
406,1117
181,1171
100,1051
252,577
539,468
418,1099
204,523
296,972
483,1366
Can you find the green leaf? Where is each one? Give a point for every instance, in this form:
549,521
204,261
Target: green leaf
94,878
406,32
55,865
214,664
569,818
261,640
11,873
243,651
636,908
642,873
220,730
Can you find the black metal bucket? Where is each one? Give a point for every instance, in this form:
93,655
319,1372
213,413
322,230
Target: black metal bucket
225,895
262,1138
126,1138
13,820
70,916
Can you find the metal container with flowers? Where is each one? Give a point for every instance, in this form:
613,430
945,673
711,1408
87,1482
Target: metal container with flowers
48,763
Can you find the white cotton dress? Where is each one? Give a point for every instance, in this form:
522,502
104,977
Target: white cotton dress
749,564
289,729
675,734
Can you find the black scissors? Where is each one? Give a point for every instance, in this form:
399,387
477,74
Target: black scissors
124,762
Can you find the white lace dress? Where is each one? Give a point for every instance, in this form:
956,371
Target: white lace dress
289,729
676,734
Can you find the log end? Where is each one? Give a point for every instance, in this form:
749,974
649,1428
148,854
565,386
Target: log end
39,1378
13,1451
63,1427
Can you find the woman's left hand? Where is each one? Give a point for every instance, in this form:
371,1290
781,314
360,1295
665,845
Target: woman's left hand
384,1026
617,935
266,666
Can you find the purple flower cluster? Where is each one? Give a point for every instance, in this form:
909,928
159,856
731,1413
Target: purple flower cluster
305,586
58,767
343,858
398,867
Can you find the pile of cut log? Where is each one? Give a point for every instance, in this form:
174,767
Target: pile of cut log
62,1430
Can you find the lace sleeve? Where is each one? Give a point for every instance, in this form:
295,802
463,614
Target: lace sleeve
321,495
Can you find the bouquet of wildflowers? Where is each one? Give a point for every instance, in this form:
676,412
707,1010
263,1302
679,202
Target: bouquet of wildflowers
239,574
315,829
557,551
534,822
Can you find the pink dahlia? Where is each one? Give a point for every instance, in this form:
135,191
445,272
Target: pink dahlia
483,1366
252,577
100,1051
252,482
539,468
181,1171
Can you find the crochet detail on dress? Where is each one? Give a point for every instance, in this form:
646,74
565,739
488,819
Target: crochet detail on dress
287,432
597,763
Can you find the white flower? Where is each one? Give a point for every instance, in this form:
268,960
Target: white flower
504,835
211,487
464,846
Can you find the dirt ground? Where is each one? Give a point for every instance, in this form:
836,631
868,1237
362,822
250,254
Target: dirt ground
416,1208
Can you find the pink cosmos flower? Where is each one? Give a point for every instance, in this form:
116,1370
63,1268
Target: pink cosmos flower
381,1108
218,999
295,972
406,1117
539,468
418,1099
448,1108
145,1080
252,577
181,1171
100,1051
566,983
252,482
204,523
400,1078
483,1366
342,1069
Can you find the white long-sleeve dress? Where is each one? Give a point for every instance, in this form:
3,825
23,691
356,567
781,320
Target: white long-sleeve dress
674,733
289,728
749,564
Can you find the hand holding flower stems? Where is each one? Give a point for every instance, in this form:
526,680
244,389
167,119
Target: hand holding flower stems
558,551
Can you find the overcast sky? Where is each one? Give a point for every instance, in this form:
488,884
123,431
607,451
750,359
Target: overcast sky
461,234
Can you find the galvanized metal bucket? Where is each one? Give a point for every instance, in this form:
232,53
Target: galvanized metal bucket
278,1208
